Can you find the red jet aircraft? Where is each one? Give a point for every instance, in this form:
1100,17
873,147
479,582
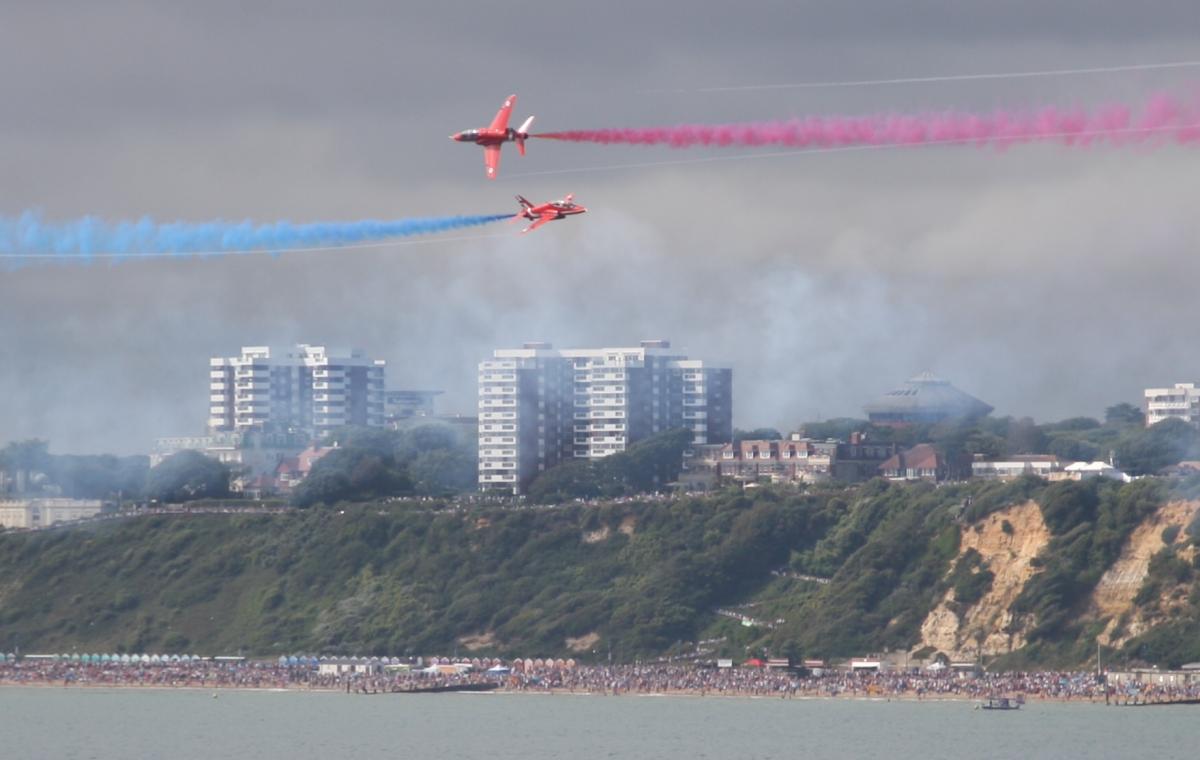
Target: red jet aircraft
548,212
496,134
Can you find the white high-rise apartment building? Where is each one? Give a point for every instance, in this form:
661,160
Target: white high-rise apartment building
1182,402
301,388
539,407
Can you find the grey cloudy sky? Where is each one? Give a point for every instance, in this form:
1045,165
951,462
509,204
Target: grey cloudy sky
1046,281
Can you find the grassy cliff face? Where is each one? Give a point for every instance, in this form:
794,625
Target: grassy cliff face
637,578
390,581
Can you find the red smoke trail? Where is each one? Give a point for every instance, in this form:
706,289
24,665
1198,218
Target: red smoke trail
1162,119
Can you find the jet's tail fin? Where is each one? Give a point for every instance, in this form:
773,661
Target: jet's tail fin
522,134
524,203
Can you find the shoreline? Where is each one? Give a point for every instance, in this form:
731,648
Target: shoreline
683,693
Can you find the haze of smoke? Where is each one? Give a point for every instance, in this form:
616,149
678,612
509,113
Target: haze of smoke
27,236
1163,118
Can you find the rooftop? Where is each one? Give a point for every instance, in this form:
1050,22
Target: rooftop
925,398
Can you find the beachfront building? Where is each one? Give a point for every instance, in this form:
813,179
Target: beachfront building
540,406
42,513
921,462
1179,402
302,388
924,399
1041,465
1089,470
403,406
793,460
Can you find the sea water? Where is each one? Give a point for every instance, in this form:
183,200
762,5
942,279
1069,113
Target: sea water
129,724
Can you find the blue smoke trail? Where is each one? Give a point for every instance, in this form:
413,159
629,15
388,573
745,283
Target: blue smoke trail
27,236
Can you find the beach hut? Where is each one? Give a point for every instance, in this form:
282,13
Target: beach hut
753,662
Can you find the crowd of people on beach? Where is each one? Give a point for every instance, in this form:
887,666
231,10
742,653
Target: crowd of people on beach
609,680
667,679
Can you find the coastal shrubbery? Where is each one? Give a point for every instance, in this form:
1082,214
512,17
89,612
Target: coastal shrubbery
827,572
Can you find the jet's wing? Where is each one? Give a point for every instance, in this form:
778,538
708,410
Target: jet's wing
501,120
491,159
540,221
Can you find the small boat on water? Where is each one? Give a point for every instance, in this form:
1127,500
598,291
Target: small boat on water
1000,703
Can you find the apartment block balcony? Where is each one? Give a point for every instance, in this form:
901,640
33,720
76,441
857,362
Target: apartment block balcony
498,477
606,414
497,403
498,390
608,402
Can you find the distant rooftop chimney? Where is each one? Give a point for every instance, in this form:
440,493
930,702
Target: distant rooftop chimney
656,344
540,344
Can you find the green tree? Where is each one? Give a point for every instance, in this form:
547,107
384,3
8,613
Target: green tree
1146,451
1072,449
566,482
648,465
354,473
444,472
186,476
1124,415
757,434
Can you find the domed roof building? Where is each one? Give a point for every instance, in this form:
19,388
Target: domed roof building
924,399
